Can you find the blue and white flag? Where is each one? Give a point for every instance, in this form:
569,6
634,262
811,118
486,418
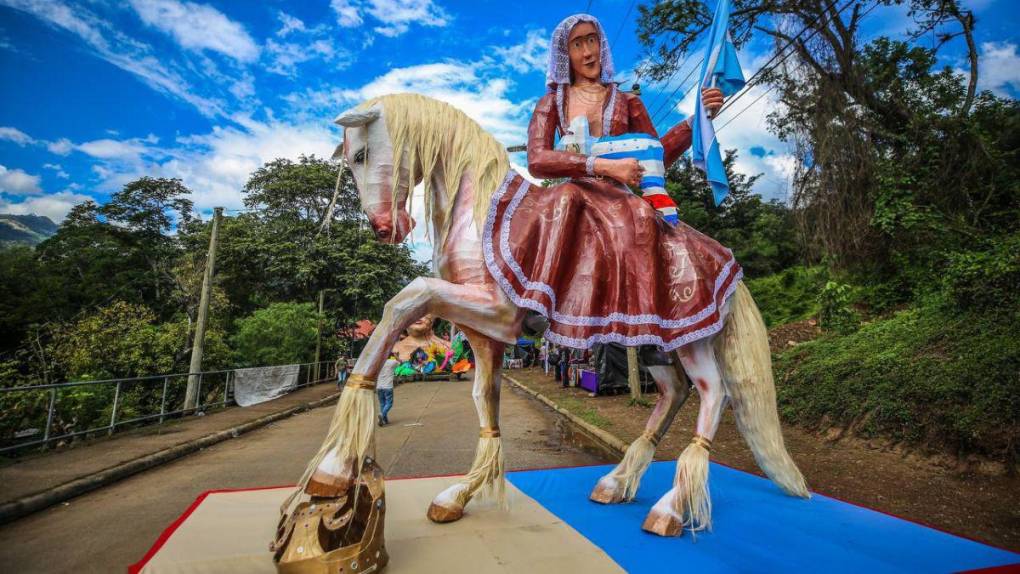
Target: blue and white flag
722,70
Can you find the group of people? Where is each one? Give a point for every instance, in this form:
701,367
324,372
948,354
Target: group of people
559,360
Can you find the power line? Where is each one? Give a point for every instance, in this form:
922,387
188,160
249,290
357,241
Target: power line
766,67
622,22
673,93
779,63
769,66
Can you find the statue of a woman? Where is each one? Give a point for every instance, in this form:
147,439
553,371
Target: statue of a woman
580,82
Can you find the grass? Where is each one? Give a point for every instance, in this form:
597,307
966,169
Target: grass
923,376
788,296
586,413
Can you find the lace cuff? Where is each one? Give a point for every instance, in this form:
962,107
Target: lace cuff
589,166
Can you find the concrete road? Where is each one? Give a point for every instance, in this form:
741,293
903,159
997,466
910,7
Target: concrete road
434,431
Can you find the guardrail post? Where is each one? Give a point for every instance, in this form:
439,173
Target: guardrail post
226,388
198,394
49,415
162,401
113,415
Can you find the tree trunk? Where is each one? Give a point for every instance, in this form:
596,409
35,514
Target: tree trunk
633,374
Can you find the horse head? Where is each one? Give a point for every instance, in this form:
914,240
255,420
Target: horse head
368,149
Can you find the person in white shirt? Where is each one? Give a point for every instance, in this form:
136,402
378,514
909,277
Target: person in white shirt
384,387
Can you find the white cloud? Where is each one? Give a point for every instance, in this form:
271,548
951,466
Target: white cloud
529,56
215,165
999,68
55,205
289,24
394,15
118,49
15,135
18,182
198,27
128,150
303,45
485,99
59,169
63,146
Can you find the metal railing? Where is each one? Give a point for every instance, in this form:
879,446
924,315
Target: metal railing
142,400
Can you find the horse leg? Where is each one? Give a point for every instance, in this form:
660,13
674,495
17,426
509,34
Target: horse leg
487,470
482,308
687,504
622,483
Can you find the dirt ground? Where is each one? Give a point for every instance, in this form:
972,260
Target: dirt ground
982,507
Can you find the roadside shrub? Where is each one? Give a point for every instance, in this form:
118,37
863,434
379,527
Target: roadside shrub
836,311
788,296
926,375
984,279
280,334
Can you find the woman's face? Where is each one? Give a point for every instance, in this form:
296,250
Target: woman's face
585,52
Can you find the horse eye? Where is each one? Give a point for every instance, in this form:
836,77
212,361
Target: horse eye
359,157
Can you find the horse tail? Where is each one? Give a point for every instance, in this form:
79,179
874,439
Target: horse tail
742,349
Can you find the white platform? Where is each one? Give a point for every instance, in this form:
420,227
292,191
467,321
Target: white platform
229,532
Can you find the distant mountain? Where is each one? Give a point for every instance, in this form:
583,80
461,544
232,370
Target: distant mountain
25,229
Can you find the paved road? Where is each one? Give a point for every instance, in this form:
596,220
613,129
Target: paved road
433,431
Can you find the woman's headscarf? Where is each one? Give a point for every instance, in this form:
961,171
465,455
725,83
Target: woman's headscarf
557,76
559,53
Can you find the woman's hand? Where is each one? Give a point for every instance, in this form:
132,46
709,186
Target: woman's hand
626,171
712,100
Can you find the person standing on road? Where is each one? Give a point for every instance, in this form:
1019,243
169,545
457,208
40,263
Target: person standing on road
341,371
384,387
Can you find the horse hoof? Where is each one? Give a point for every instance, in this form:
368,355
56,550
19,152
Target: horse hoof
327,485
662,523
442,515
606,494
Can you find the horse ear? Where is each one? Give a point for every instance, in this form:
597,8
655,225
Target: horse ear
359,117
338,152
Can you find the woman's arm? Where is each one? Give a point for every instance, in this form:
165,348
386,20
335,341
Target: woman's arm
543,160
675,142
546,162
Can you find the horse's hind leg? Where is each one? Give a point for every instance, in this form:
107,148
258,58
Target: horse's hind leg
622,483
687,504
487,470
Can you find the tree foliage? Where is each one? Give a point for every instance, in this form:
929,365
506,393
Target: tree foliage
280,334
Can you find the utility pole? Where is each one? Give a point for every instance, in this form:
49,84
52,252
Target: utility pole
318,336
633,375
194,379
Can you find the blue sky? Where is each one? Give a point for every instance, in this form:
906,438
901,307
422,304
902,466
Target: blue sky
98,92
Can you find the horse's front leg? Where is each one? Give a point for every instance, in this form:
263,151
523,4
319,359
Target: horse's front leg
487,470
621,484
688,504
482,308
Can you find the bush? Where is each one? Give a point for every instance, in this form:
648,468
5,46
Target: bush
926,375
836,311
984,279
788,296
280,334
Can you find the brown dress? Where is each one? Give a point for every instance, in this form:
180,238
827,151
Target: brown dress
598,261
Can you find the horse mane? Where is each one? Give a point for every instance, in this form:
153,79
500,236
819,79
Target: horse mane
435,133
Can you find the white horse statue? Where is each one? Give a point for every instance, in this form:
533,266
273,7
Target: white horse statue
392,143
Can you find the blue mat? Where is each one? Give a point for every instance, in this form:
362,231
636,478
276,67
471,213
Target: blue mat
756,529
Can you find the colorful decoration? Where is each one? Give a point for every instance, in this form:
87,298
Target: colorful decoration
594,259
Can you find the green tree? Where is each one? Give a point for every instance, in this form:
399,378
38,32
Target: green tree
283,239
282,333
